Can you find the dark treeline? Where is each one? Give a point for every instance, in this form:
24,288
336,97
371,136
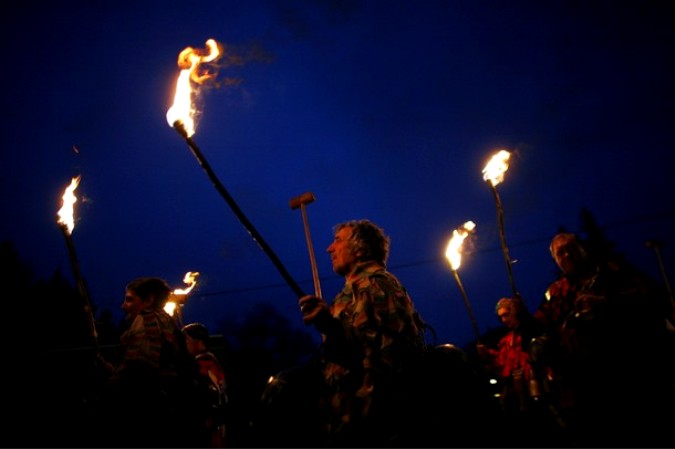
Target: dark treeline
50,375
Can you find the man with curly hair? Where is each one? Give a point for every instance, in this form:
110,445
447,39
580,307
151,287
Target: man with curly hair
369,331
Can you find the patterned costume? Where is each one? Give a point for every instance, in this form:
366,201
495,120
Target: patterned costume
152,347
150,393
378,328
595,324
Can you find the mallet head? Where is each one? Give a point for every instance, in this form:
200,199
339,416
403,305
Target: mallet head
305,198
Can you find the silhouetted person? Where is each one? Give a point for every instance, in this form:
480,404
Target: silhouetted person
603,349
149,395
527,420
369,330
510,360
212,387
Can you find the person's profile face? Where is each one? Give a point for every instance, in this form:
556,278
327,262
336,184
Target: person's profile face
341,254
133,304
507,316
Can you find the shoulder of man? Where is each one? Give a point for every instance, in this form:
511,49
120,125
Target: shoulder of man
383,277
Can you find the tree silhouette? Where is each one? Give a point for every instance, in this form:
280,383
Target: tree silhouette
255,348
50,372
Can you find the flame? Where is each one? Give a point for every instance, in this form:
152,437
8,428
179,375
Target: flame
453,251
190,279
170,307
66,212
189,60
496,167
179,295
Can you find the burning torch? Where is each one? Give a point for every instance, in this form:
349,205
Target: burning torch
179,296
454,256
493,173
67,224
181,116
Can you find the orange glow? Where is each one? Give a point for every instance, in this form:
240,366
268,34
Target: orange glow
179,295
66,212
170,307
496,167
191,76
190,279
454,249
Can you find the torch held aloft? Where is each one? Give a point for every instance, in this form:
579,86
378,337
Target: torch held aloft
465,298
84,294
502,239
180,128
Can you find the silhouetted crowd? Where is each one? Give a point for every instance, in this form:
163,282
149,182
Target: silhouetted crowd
591,366
593,363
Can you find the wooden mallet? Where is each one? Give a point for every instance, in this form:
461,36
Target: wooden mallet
301,202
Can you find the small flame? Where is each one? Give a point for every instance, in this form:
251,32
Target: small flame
189,60
453,251
179,295
496,167
170,307
66,212
190,279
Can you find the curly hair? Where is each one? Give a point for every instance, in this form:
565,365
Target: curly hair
368,239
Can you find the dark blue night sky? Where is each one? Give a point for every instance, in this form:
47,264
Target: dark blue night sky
386,110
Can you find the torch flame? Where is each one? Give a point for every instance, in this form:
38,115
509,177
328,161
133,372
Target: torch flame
190,279
453,251
179,295
66,212
496,167
189,60
170,307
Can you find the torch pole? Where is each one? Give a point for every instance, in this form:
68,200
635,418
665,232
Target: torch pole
502,238
84,294
656,246
180,128
467,305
